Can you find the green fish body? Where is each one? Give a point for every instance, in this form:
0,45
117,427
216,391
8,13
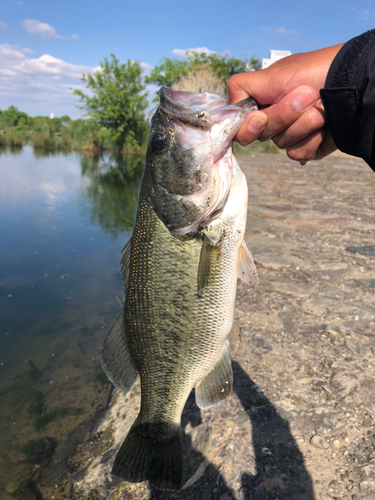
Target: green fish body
180,271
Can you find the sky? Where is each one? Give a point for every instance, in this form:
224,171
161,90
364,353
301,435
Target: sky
45,45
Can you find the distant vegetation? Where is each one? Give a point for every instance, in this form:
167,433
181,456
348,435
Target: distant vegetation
210,67
115,104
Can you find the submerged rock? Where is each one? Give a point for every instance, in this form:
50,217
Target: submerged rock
37,450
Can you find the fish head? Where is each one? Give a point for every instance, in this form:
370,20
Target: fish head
189,158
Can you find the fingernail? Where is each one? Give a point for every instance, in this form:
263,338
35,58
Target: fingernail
256,125
303,100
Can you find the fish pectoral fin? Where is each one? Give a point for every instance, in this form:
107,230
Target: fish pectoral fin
116,359
217,385
152,452
246,270
125,265
210,251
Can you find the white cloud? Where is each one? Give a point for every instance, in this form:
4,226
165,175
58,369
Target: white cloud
282,30
147,68
10,51
75,36
42,85
6,71
198,50
32,26
38,85
364,15
3,25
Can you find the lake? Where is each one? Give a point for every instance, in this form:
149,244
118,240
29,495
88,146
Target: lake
64,219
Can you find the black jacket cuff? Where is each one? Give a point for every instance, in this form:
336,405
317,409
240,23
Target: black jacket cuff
349,98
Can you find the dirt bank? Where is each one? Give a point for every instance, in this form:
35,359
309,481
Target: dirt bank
299,424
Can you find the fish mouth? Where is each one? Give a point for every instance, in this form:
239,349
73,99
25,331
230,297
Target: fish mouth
205,110
216,122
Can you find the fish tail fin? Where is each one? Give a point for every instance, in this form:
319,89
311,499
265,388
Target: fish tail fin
144,456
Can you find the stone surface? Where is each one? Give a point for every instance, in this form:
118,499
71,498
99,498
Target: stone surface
365,250
319,442
303,354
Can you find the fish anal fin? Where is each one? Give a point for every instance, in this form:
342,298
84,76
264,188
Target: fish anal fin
246,266
217,385
116,359
144,456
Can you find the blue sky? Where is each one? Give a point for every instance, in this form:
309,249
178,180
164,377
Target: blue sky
46,44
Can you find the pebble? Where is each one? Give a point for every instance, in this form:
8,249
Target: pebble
319,442
271,471
266,452
336,444
226,496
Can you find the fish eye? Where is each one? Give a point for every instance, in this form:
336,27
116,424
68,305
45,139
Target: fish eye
158,142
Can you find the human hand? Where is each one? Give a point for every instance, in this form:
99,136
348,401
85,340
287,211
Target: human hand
294,117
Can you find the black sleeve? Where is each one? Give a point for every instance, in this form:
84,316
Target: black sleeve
349,98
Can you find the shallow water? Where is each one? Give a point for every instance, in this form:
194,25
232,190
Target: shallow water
64,219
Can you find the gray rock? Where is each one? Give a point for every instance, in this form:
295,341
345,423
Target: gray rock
365,250
271,471
319,442
369,283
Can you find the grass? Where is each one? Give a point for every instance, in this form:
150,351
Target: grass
12,138
259,147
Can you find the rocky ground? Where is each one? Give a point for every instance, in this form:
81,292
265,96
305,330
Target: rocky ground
300,422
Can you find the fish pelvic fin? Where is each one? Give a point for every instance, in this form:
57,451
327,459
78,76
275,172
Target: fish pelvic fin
116,359
210,252
217,385
246,271
144,456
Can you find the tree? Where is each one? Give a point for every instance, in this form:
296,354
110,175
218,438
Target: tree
11,117
117,101
171,71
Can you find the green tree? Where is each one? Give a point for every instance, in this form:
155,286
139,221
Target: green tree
117,101
170,71
11,117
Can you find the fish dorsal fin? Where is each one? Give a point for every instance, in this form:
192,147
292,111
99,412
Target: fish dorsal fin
217,385
210,251
246,266
125,265
116,359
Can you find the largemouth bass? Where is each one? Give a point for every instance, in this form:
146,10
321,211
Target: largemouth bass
180,270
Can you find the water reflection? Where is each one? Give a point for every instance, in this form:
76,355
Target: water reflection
64,218
112,194
14,150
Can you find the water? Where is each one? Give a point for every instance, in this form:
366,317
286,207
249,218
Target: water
64,219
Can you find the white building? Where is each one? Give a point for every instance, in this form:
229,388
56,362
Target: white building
275,55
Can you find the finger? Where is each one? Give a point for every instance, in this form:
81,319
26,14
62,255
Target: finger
250,131
307,149
242,85
326,148
311,120
282,115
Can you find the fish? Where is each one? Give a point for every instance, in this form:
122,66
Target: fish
179,271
